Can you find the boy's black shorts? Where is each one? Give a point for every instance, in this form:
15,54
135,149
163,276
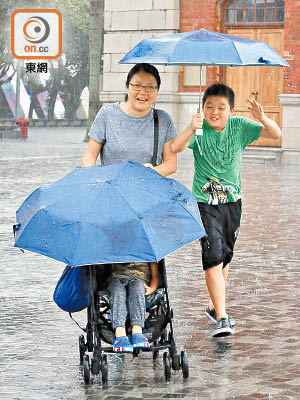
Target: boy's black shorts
221,223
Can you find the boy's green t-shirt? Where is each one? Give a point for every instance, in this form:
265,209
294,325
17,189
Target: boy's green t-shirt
217,177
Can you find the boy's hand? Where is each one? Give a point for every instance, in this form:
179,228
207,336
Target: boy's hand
256,109
197,122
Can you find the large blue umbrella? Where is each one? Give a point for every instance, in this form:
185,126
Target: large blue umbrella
203,47
106,214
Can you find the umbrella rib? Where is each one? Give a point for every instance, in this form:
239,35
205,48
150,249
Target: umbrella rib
237,52
174,200
176,248
80,225
142,220
160,196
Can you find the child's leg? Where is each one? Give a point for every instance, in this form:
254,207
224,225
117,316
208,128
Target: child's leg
137,305
213,257
225,272
117,290
137,312
215,283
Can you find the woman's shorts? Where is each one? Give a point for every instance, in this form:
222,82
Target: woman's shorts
221,223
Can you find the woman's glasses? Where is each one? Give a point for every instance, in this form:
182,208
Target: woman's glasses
138,88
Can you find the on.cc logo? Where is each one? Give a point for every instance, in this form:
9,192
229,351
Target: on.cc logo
36,34
36,29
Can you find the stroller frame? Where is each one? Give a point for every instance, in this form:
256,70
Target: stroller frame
98,329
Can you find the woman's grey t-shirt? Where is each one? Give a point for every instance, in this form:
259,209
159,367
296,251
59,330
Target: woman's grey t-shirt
127,138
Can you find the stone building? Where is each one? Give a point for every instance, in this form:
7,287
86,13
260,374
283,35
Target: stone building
276,22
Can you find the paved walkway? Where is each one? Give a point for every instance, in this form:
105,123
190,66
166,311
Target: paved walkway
38,346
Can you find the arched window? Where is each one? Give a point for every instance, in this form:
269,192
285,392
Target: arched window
254,11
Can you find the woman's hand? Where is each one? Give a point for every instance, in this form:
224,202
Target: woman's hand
148,165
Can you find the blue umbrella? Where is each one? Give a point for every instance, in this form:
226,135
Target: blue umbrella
105,214
203,47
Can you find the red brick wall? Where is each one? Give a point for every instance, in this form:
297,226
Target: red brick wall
292,46
197,14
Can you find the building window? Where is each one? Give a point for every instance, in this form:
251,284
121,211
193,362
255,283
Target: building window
254,11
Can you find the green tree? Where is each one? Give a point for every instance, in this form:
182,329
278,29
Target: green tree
75,73
6,59
96,50
69,75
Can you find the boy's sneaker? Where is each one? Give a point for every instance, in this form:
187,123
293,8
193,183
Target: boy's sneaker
139,341
211,314
223,328
122,345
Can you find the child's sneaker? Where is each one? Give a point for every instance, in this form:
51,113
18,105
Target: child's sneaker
211,314
122,345
139,341
223,328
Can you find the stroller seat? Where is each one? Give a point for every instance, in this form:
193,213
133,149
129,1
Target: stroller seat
99,332
154,323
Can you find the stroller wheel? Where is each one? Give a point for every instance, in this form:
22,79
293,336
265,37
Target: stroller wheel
86,370
167,366
95,366
104,369
176,362
184,365
81,348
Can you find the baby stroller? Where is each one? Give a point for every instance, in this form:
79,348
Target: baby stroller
97,341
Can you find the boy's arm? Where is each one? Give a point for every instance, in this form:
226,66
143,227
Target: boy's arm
271,129
154,279
182,141
169,163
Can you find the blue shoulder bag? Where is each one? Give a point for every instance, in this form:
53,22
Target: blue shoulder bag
73,292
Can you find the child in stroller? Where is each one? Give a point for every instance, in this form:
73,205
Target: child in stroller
127,288
158,327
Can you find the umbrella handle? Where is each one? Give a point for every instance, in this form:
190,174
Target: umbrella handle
199,132
15,228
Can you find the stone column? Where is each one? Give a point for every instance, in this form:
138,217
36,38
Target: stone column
290,128
127,22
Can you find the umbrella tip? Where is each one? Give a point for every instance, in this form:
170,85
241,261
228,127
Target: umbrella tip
262,60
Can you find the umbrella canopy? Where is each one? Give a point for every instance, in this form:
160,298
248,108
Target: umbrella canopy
203,47
106,214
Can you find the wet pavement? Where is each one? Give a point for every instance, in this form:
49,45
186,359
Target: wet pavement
38,346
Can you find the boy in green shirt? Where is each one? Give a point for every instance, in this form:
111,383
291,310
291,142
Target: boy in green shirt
217,154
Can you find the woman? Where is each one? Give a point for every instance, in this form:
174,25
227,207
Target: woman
124,131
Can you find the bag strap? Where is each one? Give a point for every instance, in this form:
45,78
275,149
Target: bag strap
156,130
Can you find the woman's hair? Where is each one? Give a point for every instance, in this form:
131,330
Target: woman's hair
143,67
218,89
